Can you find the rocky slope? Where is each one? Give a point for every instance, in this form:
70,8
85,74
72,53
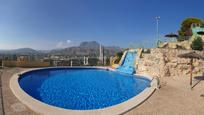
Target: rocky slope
166,63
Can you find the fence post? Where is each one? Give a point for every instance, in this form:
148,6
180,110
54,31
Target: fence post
71,63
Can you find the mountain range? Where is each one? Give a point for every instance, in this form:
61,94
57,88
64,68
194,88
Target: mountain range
85,48
20,51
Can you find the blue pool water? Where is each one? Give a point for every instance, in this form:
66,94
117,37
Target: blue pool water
81,88
128,63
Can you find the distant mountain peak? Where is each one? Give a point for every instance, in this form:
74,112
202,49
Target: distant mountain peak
91,44
90,48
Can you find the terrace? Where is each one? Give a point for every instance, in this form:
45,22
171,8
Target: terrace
174,97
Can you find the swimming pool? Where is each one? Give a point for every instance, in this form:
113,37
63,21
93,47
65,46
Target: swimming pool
62,90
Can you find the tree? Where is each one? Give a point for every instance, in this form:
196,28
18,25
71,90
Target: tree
180,38
119,56
197,44
185,29
108,61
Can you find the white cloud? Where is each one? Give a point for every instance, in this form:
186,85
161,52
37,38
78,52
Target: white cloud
69,41
64,44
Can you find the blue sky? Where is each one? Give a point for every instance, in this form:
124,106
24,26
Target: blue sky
50,24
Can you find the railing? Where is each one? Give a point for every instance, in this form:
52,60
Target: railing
173,40
58,61
80,61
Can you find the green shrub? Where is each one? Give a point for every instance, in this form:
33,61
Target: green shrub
180,38
197,44
107,61
119,56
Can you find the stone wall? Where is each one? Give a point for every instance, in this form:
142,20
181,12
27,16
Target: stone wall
176,45
166,63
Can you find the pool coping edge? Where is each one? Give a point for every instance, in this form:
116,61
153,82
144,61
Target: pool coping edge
42,108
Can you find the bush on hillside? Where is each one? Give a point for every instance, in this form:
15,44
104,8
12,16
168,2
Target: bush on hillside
119,56
180,38
197,44
107,61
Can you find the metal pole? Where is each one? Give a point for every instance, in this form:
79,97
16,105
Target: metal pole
87,61
157,21
103,56
84,60
191,71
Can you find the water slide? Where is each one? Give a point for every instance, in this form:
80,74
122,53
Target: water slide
128,62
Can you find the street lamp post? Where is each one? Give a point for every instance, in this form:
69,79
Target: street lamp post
157,21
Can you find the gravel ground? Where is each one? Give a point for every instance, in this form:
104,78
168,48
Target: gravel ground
174,98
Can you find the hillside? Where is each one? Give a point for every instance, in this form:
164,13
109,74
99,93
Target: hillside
85,48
